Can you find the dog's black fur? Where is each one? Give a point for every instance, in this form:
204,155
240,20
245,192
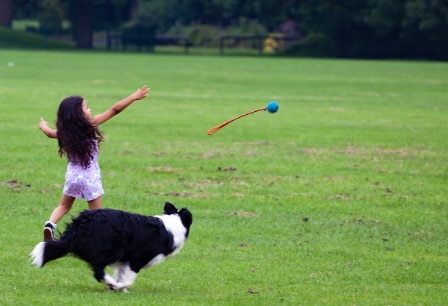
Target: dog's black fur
127,241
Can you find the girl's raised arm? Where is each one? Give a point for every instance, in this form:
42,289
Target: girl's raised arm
120,106
43,125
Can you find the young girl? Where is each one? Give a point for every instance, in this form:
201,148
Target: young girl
78,138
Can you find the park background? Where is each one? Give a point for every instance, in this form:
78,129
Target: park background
340,198
413,29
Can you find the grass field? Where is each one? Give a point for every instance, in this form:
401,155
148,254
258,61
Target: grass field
340,198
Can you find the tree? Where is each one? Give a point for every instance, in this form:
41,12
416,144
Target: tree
89,15
6,13
425,28
50,16
84,30
26,9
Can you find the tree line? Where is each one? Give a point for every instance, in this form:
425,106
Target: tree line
335,28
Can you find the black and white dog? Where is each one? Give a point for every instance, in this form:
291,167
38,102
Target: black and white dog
129,242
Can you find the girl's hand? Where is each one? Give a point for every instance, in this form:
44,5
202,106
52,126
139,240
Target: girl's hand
43,123
119,106
141,93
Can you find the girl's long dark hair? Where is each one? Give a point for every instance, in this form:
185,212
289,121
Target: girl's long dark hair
77,137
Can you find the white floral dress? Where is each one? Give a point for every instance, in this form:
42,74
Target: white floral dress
84,182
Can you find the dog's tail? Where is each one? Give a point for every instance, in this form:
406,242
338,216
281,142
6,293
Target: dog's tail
49,250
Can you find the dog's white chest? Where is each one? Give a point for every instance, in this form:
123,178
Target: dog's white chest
174,225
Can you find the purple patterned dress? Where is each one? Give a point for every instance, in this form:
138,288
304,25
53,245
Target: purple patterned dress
84,183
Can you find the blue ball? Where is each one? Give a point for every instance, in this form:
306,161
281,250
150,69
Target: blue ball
272,107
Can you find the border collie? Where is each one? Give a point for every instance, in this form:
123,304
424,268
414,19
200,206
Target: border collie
126,241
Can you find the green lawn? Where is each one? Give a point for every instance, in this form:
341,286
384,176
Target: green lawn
340,198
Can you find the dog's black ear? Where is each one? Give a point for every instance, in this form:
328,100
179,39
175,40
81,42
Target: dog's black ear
170,209
186,217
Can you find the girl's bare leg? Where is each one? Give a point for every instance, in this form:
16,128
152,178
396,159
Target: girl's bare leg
95,204
63,208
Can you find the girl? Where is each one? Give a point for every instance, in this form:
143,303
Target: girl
78,138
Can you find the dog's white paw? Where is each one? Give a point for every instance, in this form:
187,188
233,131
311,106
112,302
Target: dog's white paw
118,287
